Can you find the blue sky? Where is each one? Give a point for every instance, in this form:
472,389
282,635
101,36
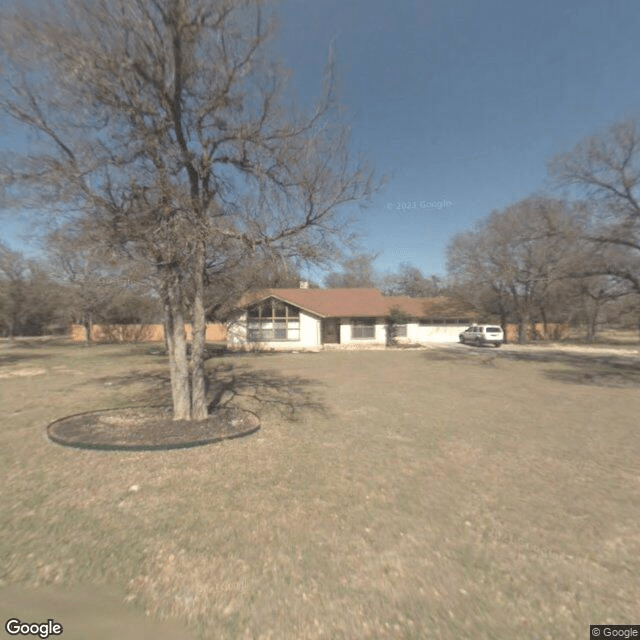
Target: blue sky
461,103
464,102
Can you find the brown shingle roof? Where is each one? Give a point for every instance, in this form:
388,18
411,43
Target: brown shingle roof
329,303
437,307
415,307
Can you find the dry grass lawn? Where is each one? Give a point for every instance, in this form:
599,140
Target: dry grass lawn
447,493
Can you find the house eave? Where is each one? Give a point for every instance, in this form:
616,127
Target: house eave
285,300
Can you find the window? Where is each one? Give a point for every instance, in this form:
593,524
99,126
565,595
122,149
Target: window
427,322
400,330
362,328
273,321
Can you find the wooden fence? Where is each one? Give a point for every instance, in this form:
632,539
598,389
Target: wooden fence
536,332
139,332
218,332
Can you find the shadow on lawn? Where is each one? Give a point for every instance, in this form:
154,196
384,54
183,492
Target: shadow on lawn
212,350
228,381
12,357
475,355
287,394
606,370
37,342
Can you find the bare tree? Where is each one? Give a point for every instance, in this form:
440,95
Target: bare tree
228,281
606,169
476,278
515,257
13,270
166,134
97,289
357,271
410,281
595,294
30,301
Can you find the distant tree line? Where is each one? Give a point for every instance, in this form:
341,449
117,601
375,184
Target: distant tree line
544,261
76,282
408,280
29,300
573,260
40,297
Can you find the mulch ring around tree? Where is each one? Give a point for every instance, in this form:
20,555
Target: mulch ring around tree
149,428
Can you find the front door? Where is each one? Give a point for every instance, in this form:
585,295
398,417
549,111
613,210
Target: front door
330,331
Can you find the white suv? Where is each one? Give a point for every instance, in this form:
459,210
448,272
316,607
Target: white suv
480,334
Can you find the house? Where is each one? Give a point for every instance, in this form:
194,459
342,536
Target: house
340,318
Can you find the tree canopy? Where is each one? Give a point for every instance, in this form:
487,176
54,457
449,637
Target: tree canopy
514,259
164,132
605,169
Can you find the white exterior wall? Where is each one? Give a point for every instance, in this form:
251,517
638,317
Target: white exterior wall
439,333
309,330
417,334
345,330
380,333
412,334
237,331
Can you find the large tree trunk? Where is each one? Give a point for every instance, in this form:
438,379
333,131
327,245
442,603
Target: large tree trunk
523,328
199,409
178,363
503,325
165,335
503,317
592,308
592,326
545,323
87,321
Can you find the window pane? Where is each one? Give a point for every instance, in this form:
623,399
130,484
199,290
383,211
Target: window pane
293,312
401,330
279,309
363,328
280,330
268,329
